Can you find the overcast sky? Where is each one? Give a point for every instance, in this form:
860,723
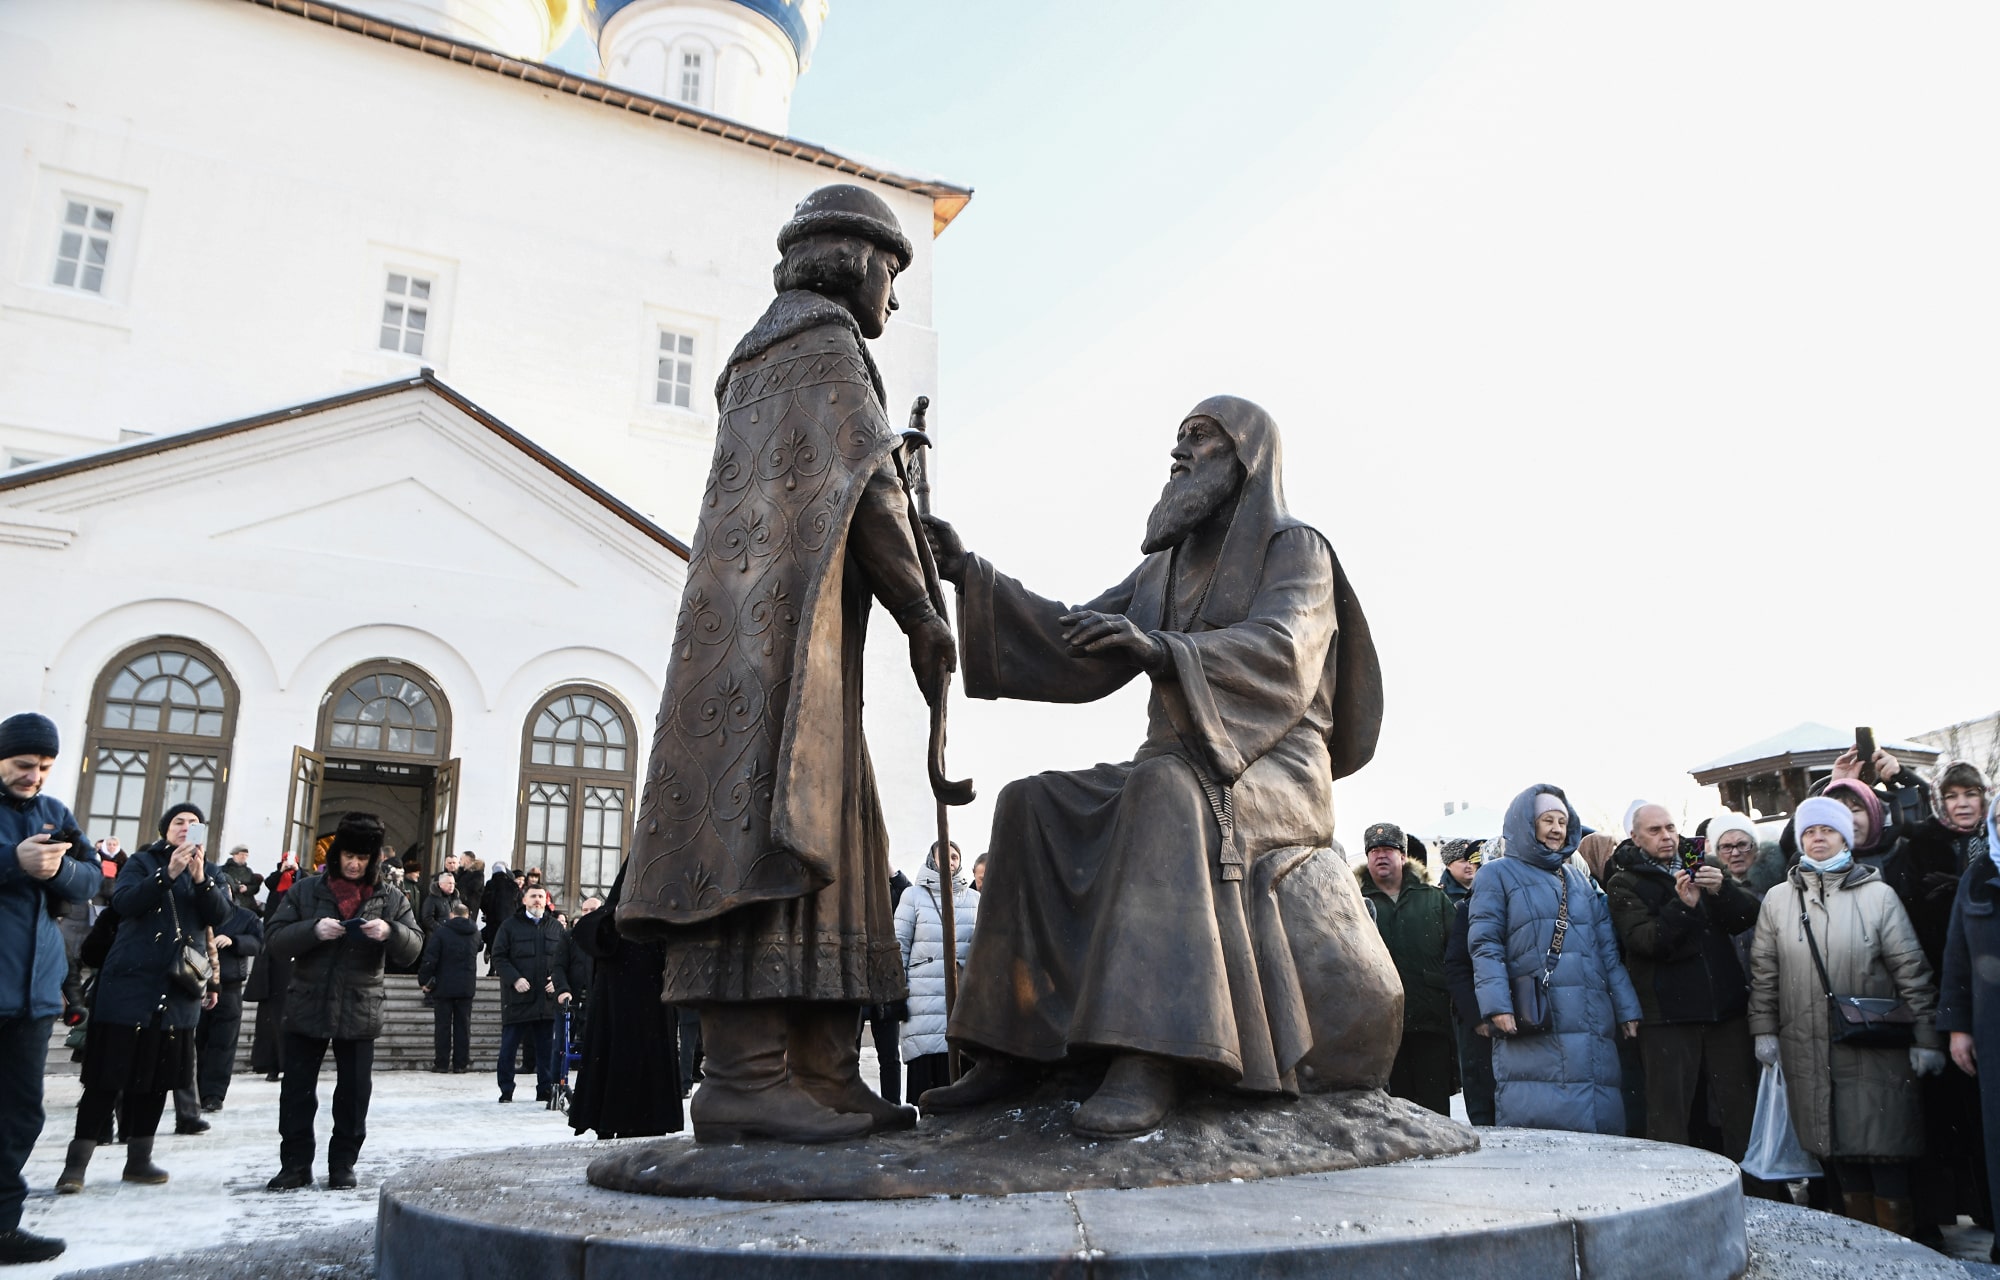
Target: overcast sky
1638,360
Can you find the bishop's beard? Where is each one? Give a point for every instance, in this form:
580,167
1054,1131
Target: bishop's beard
1188,502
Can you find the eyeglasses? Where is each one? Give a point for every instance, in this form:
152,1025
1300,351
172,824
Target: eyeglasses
1736,846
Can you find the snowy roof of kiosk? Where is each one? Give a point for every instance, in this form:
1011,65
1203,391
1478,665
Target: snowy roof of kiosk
1806,739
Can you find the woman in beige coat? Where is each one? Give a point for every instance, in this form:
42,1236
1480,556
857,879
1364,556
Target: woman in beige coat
1857,1109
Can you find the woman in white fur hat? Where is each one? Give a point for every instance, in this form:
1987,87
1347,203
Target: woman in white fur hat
1855,1108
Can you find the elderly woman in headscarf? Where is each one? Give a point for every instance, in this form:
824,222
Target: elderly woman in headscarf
1593,854
1565,1075
1856,1108
1870,848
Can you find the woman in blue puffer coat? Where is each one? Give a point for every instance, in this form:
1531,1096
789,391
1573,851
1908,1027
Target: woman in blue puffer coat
1566,1077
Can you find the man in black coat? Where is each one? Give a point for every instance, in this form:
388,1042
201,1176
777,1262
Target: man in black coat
450,976
498,903
1969,1000
530,952
244,884
1474,1037
1677,927
339,928
239,939
582,965
1925,870
438,900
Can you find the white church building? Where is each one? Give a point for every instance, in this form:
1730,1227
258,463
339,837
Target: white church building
356,377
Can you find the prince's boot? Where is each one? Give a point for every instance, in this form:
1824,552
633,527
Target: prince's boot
746,1091
822,1051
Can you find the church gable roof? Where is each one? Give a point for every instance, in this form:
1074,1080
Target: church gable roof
26,478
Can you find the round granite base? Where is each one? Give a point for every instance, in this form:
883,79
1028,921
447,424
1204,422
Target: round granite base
1528,1204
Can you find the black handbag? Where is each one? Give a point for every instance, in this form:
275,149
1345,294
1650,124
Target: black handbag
190,969
1533,1013
1860,1022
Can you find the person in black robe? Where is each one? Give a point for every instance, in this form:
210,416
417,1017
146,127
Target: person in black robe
627,1085
270,978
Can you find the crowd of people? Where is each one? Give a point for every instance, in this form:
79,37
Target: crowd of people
1652,985
149,955
1647,984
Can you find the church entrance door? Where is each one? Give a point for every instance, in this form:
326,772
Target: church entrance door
384,734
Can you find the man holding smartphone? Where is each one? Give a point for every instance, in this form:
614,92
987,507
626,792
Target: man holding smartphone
36,880
1677,914
340,928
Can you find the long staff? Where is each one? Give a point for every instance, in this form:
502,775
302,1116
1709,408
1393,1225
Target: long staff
946,791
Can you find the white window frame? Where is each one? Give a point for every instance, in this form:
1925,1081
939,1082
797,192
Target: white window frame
691,65
676,367
31,245
368,358
406,296
86,230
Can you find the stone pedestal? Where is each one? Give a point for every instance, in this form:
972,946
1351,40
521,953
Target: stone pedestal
1528,1204
1029,1146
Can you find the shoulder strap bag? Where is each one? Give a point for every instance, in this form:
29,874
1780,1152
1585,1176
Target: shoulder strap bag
1533,1014
191,969
1860,1022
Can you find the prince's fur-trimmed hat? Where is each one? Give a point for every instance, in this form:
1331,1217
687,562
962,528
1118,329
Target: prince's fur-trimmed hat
845,209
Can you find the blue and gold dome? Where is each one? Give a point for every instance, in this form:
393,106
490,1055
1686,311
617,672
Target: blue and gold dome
800,20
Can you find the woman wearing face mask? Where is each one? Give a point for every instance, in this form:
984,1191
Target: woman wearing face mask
1567,1076
1855,1108
140,1037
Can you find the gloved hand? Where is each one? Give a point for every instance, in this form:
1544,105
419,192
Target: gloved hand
1767,1050
1926,1062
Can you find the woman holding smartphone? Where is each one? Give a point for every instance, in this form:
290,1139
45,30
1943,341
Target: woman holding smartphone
139,1041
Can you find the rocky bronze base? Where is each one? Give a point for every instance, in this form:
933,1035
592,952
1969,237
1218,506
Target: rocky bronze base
1029,1146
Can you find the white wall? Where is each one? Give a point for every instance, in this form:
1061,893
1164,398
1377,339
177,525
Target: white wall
498,578
268,170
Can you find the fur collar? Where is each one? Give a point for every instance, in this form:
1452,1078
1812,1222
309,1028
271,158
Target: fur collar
792,313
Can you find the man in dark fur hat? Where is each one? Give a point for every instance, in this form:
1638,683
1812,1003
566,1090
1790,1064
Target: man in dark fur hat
760,862
339,928
1120,919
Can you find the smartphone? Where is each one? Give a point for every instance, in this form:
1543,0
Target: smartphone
1864,748
1692,855
198,833
352,926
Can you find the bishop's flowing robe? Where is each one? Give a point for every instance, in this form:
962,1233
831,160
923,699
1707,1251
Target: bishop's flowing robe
1123,908
760,860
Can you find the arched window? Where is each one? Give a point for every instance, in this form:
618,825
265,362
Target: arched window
386,711
384,739
162,718
577,780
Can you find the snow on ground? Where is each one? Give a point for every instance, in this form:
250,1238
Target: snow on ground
217,1194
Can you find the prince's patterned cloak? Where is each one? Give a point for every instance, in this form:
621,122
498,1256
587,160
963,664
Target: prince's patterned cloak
760,859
